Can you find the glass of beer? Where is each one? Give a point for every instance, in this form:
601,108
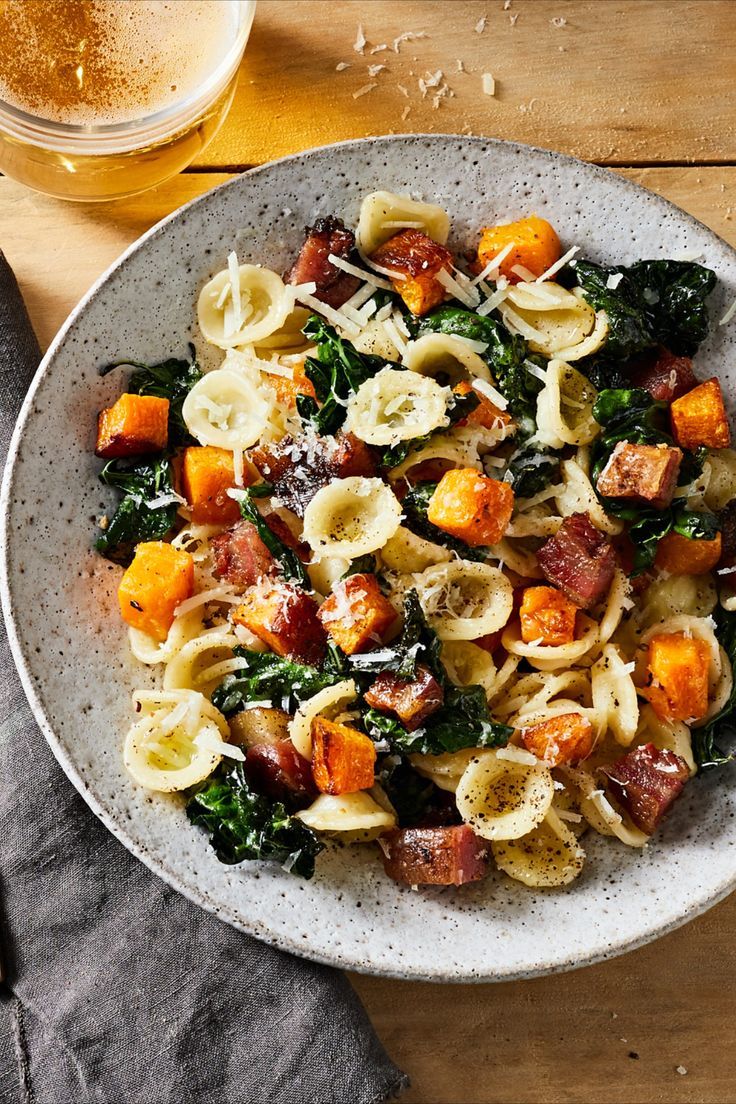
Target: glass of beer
100,99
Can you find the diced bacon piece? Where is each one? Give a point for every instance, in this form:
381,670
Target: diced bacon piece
435,856
299,468
491,641
679,666
579,560
700,418
418,259
343,759
679,555
664,375
411,700
727,522
356,614
564,739
471,506
285,618
134,426
645,782
279,771
547,615
329,236
644,473
485,414
241,557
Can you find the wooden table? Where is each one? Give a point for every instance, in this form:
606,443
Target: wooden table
646,87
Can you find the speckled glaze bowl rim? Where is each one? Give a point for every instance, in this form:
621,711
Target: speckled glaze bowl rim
156,864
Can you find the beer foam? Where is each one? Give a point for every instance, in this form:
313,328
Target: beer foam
101,62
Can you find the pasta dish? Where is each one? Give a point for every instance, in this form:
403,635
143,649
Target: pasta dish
439,558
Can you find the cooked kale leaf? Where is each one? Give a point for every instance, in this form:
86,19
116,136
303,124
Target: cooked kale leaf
417,644
141,482
653,302
714,744
410,794
415,505
245,825
464,721
361,565
170,379
291,566
531,469
506,355
336,373
268,677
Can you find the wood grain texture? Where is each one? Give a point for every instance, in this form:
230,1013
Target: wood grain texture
619,82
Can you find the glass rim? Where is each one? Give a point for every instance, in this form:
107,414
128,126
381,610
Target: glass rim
34,126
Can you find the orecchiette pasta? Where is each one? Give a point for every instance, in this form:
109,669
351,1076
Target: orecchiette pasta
243,305
444,770
354,815
226,409
383,214
614,696
395,406
442,355
464,600
503,799
405,552
554,321
549,855
565,407
351,517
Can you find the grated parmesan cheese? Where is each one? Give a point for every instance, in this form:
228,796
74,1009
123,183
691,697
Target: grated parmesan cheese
489,84
407,36
614,280
483,387
523,272
238,467
222,593
492,301
167,499
558,264
493,264
480,26
728,315
342,66
513,754
456,289
336,317
365,89
353,270
360,40
374,70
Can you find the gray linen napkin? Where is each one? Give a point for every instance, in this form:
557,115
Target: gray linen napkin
118,989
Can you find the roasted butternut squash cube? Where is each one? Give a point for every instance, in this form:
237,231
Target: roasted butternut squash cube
699,417
285,618
418,260
288,387
547,616
535,246
343,759
356,614
472,507
486,413
158,580
133,426
679,555
679,667
207,475
564,739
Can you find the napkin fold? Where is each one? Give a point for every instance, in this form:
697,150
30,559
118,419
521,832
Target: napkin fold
119,990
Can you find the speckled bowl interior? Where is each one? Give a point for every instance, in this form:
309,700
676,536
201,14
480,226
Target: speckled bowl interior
71,648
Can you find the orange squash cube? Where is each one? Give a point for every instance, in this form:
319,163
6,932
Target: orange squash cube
285,618
288,387
207,475
548,616
679,555
418,259
679,667
486,413
356,614
536,246
564,739
343,759
472,507
699,417
133,426
158,580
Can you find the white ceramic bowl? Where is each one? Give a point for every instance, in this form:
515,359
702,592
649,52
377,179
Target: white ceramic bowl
71,647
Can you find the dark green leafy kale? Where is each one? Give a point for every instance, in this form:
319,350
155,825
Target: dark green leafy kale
506,356
630,414
410,794
245,825
530,470
458,408
141,482
462,721
653,303
268,677
170,379
361,565
709,740
415,505
336,374
291,566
